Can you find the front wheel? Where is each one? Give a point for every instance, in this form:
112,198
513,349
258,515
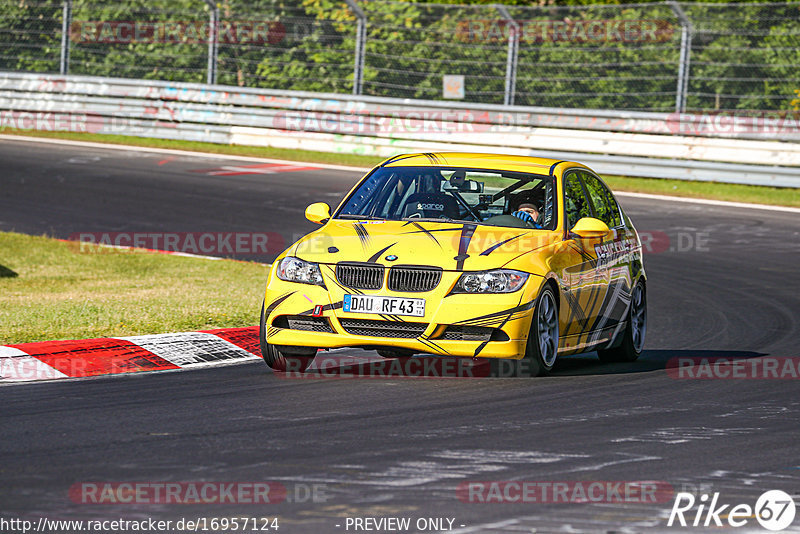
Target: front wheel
283,359
633,336
542,348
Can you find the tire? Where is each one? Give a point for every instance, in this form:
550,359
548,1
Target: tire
633,337
541,350
283,359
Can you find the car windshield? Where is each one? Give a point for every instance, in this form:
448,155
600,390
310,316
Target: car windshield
492,197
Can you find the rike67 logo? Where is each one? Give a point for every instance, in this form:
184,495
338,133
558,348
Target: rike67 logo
774,510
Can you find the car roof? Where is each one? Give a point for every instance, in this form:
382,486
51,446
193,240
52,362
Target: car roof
504,162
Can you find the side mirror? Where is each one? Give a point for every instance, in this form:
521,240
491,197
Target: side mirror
589,227
318,212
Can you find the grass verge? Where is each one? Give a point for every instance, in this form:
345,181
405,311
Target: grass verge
685,188
754,194
50,290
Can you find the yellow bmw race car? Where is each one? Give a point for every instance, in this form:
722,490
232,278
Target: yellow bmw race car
457,254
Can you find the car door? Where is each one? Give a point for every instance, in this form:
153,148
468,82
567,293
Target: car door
612,259
583,287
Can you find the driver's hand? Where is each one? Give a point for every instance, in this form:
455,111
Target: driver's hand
525,216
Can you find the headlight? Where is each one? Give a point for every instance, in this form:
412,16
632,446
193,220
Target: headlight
296,270
498,281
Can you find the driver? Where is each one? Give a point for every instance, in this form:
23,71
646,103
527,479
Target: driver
528,213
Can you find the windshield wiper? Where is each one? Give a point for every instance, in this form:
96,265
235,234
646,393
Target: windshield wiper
353,216
431,219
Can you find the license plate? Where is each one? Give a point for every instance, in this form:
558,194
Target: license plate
384,305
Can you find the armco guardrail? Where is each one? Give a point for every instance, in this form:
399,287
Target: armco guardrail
732,149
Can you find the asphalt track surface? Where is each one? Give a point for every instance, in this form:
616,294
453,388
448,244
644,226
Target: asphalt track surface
727,285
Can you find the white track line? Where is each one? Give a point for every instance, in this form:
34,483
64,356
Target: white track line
708,202
170,151
666,198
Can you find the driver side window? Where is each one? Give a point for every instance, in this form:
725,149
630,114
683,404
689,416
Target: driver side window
575,203
600,195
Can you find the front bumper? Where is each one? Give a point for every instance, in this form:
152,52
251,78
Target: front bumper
490,325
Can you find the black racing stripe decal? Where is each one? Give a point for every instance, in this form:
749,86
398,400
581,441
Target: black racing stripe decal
521,307
583,320
554,165
375,256
467,230
495,321
425,231
575,310
523,254
498,245
596,291
399,157
483,345
391,318
326,307
432,157
602,311
441,349
518,257
275,303
480,348
584,255
431,345
363,235
607,307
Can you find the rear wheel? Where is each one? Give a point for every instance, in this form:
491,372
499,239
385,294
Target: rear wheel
633,337
542,348
283,358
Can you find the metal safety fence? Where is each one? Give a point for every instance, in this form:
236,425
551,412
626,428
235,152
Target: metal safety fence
646,144
658,56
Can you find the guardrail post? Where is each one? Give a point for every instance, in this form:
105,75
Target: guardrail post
511,58
686,51
66,22
361,43
213,38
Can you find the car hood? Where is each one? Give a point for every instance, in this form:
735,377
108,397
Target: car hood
451,246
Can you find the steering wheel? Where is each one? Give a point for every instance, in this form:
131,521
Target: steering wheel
508,220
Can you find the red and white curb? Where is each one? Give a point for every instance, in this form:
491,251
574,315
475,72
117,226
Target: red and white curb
51,360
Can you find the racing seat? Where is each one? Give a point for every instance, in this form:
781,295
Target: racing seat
431,205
